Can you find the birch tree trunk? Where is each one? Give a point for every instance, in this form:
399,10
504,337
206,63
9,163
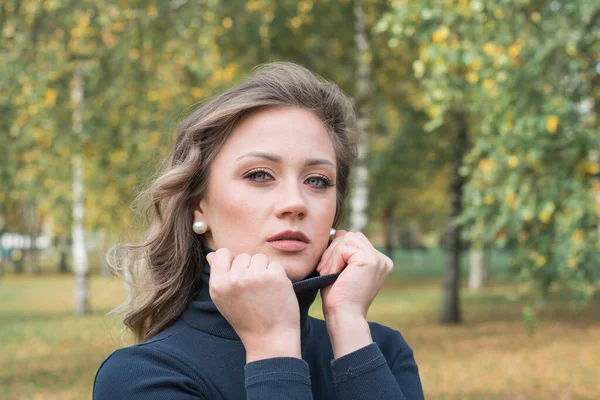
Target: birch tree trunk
477,260
80,258
451,294
360,191
477,268
3,258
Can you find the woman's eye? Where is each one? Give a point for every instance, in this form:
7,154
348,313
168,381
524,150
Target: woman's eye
319,181
258,176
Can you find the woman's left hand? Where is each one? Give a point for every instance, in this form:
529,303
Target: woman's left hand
346,302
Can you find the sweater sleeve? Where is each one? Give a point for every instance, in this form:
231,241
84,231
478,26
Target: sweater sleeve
137,373
366,374
279,378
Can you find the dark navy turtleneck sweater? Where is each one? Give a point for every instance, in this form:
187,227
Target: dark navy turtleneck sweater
201,357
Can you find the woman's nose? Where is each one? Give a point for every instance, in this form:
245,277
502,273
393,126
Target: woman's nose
291,202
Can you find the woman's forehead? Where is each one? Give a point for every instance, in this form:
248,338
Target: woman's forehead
281,133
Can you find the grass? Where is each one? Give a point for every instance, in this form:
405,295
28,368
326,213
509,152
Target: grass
47,353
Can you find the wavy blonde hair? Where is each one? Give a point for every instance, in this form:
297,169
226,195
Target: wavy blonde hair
163,270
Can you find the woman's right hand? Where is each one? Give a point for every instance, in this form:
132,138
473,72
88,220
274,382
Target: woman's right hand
258,300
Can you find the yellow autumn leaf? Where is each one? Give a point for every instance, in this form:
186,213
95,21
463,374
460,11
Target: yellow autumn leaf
572,263
304,6
545,216
489,48
578,236
38,134
254,5
475,64
152,11
487,166
441,34
227,22
541,260
488,83
472,77
552,123
510,197
50,97
134,54
107,37
118,157
513,161
514,50
433,111
593,169
83,20
196,92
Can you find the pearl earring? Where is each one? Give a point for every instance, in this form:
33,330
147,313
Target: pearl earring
199,227
331,233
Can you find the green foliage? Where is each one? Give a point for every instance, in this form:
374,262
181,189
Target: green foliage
525,74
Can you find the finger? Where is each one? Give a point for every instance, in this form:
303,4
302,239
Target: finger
277,269
328,265
259,262
339,233
328,252
240,262
389,263
220,264
361,236
339,258
365,244
219,261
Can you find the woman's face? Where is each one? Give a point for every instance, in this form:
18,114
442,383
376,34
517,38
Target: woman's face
271,190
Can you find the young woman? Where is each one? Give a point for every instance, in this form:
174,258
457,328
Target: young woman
259,174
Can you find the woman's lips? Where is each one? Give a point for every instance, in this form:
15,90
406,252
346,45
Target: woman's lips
288,246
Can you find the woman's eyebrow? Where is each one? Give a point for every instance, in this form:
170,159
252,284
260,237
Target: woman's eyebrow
317,161
260,154
275,158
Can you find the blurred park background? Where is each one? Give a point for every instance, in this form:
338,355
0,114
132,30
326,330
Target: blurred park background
479,171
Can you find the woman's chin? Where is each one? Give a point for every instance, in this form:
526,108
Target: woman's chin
296,270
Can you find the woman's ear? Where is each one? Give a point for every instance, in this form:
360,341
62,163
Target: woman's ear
200,216
200,210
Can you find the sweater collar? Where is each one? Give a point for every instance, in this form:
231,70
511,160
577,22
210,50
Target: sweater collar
202,313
